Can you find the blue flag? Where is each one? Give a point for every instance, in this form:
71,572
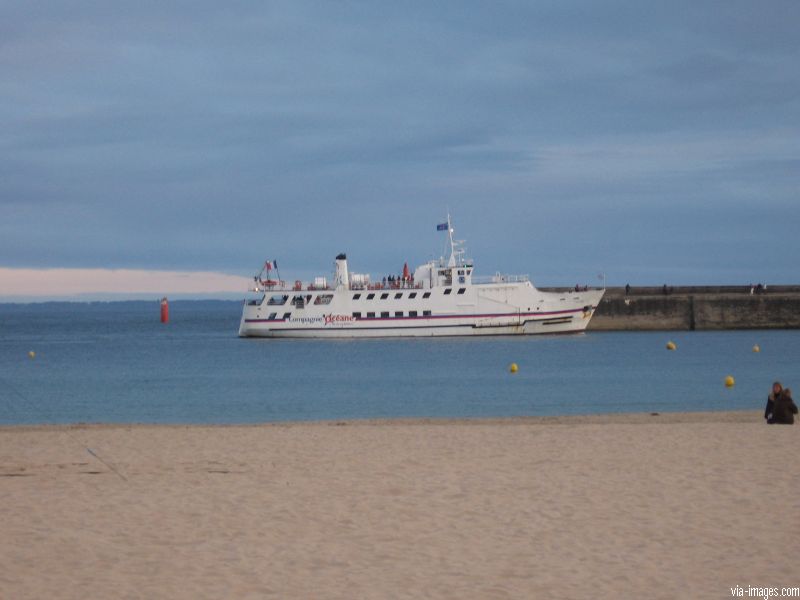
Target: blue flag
441,227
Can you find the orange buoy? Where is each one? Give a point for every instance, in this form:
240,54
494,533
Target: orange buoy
164,310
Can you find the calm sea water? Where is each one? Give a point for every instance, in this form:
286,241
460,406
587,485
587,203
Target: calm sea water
115,362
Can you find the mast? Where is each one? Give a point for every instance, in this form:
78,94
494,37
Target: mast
456,246
452,261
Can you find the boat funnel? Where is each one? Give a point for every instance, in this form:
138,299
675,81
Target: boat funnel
341,277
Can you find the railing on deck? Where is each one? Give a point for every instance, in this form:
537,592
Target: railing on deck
299,286
500,278
389,285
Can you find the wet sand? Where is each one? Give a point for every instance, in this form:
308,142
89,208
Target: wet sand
666,506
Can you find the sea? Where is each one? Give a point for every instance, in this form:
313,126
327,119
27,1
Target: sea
115,362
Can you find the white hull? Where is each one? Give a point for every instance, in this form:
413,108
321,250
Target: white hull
535,312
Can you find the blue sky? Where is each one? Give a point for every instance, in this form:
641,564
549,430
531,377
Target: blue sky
658,142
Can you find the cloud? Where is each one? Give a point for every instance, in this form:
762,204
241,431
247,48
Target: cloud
77,282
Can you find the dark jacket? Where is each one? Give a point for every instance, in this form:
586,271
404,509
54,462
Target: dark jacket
783,410
770,406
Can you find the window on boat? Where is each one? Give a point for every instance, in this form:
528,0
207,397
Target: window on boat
426,313
370,296
272,316
462,290
370,315
412,313
277,300
447,291
412,295
385,315
286,315
323,299
356,296
384,296
426,295
357,315
469,271
398,313
398,295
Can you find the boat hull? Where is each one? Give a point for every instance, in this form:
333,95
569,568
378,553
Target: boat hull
532,312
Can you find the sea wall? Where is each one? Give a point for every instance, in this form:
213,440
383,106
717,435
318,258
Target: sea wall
701,308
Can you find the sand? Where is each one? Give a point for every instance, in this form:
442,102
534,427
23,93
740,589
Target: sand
626,506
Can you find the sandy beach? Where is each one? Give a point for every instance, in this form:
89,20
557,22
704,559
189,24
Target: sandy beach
622,506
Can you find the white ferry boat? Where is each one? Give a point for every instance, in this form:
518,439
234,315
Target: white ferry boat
441,298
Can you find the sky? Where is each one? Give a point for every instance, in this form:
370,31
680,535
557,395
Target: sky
655,142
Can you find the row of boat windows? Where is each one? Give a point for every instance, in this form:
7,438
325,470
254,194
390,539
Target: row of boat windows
357,315
411,295
324,299
274,316
300,301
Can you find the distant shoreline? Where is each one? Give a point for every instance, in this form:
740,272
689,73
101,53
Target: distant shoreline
111,299
639,308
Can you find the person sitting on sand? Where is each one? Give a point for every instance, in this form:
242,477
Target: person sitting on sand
784,409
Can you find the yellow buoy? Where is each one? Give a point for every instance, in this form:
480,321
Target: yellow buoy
31,354
513,367
671,346
729,381
756,348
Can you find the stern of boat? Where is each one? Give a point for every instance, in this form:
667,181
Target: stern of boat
249,311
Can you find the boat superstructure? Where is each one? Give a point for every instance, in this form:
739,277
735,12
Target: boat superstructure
440,298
